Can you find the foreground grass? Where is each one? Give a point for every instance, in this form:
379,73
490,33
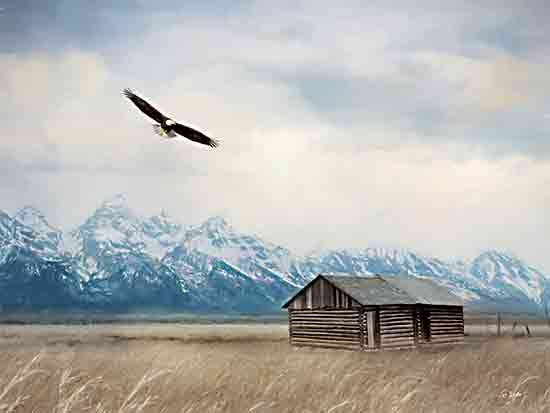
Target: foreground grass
252,369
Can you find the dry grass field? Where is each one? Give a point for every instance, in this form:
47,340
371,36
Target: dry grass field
251,368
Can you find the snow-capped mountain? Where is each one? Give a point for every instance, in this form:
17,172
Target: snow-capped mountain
261,260
47,234
33,273
118,260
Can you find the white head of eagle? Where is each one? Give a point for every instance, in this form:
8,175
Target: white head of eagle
170,122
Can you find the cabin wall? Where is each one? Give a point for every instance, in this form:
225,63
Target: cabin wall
446,324
376,327
322,294
397,326
333,328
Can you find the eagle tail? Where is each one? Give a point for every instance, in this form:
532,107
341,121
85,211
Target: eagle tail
160,131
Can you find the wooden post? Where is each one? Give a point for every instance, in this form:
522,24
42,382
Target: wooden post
498,324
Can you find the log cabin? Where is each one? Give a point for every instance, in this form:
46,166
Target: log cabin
374,312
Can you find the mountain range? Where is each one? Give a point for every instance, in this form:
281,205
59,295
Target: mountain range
119,261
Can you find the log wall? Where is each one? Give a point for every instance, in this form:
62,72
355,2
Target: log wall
374,327
446,324
322,294
397,326
333,328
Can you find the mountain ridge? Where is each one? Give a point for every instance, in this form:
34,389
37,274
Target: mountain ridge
117,260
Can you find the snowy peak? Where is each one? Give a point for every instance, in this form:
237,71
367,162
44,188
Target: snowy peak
216,223
6,226
162,226
508,274
214,233
261,260
14,234
114,225
34,219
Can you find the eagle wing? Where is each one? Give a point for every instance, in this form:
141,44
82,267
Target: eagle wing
194,135
144,106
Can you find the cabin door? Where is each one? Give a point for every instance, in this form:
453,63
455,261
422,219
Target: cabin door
423,324
370,318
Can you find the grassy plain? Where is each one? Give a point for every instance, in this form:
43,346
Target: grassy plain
153,367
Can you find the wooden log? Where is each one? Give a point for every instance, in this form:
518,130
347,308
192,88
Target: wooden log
328,317
443,330
447,336
325,341
397,337
327,338
396,342
337,316
396,313
325,331
326,335
393,320
384,329
326,322
392,313
327,346
326,311
403,345
397,333
409,329
402,320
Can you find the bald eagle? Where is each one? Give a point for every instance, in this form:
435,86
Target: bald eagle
167,127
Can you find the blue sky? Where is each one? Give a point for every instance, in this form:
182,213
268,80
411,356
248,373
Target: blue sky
343,125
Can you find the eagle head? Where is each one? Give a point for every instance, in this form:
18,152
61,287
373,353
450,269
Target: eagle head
170,122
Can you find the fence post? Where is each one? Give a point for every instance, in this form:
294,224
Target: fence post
499,321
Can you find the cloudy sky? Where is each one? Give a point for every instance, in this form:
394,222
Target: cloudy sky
343,126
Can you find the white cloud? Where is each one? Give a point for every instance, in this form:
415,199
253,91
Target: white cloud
404,162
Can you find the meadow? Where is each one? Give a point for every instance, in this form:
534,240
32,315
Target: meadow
152,367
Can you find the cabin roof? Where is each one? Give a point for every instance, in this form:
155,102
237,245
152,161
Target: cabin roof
382,290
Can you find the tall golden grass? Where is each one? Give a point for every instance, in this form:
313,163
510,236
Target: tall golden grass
170,368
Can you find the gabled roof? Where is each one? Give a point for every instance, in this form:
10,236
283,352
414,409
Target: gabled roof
378,290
